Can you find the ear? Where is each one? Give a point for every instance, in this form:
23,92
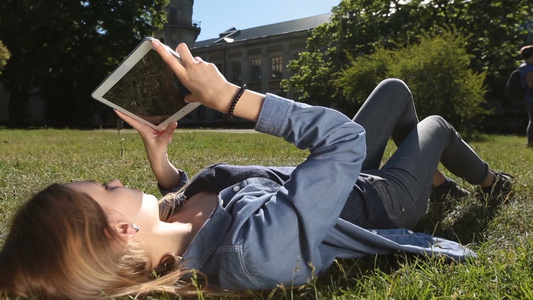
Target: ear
125,230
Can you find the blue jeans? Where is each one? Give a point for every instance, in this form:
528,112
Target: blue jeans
407,176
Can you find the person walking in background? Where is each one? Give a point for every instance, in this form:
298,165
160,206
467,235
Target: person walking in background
526,78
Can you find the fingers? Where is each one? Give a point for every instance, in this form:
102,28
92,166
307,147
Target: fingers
167,132
185,54
205,82
154,141
170,59
141,128
133,123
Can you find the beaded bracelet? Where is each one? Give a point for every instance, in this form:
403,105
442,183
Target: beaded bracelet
236,99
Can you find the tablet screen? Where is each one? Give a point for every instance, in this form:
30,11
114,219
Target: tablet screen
150,90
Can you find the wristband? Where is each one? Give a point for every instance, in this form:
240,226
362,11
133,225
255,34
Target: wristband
236,99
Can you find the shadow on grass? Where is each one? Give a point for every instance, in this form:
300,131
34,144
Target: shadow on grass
464,222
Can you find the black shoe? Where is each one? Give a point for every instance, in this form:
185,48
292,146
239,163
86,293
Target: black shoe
448,191
499,190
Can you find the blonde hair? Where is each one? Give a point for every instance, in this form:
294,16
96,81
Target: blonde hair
61,245
171,203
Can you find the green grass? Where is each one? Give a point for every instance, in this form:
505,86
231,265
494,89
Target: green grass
32,159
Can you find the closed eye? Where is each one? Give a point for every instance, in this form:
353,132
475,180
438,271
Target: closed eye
104,185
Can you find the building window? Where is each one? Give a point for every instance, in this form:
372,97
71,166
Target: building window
172,17
236,76
255,69
277,67
201,112
219,115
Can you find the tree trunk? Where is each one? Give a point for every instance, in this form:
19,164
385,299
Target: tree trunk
17,109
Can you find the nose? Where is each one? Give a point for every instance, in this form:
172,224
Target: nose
114,183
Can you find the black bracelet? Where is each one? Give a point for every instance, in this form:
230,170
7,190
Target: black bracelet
236,99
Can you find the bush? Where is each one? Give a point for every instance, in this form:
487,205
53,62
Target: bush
437,72
4,56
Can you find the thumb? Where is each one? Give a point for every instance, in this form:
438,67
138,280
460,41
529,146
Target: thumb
167,133
189,98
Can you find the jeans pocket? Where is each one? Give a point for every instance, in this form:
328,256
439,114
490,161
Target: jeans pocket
394,208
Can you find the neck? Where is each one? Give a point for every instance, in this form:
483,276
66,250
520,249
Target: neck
175,234
165,238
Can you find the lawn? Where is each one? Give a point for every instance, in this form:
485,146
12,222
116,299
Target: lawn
32,159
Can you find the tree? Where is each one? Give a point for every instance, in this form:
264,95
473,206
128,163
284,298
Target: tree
62,49
437,71
357,27
4,56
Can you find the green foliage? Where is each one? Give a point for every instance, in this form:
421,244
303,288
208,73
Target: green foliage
312,64
4,56
61,50
355,28
358,27
436,69
364,73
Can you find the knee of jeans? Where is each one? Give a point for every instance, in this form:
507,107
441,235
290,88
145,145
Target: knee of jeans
395,83
437,120
398,88
438,123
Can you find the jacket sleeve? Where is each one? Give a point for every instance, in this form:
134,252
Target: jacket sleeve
183,181
290,226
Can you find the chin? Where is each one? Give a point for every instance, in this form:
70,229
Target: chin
149,209
147,198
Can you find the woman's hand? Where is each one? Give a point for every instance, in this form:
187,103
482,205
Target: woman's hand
156,146
207,85
155,142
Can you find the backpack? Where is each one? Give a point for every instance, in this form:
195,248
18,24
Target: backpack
514,89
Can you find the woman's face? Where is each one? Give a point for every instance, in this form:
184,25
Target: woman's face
119,202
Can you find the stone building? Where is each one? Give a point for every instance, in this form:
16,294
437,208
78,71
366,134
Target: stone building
256,56
180,26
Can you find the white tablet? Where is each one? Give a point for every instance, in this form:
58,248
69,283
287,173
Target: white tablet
145,88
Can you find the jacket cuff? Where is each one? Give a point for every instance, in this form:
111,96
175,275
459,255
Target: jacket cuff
274,115
183,181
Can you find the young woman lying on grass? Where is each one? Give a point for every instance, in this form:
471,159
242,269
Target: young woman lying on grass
247,227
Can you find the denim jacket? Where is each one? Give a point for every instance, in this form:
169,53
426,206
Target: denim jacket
264,233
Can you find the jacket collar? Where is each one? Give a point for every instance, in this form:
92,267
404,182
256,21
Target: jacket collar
206,240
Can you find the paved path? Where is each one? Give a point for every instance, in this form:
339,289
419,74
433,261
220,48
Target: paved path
192,130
